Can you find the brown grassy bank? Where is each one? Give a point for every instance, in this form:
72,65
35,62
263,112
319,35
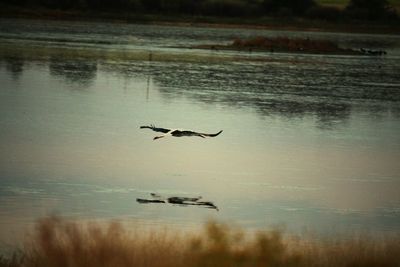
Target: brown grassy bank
62,243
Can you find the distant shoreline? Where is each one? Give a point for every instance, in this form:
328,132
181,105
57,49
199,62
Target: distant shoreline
267,23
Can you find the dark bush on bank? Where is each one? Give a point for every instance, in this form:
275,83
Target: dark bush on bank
287,7
370,10
324,13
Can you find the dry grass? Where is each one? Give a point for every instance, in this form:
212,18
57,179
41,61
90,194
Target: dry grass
61,243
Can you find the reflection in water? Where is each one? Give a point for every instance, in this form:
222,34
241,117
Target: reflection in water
281,93
14,65
81,71
148,89
327,90
181,201
285,88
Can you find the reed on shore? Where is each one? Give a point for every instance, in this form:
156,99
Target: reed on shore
57,242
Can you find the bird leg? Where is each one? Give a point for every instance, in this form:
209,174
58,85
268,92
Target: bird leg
158,137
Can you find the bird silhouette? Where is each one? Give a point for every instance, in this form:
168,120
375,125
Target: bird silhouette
176,132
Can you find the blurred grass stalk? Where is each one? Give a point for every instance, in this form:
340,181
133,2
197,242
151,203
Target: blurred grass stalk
57,242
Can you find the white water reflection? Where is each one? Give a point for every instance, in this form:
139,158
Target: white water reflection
309,141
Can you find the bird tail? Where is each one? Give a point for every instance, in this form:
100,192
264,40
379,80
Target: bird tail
213,135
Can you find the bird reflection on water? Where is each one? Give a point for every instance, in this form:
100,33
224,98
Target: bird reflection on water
182,201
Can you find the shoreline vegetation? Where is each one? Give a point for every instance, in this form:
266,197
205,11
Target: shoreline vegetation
322,15
59,242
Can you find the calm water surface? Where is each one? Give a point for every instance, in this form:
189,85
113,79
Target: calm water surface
310,141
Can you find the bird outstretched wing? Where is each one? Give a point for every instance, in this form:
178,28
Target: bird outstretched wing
179,133
156,129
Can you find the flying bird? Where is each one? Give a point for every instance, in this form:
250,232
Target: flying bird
176,132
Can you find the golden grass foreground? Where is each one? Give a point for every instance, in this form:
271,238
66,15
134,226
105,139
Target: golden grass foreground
57,242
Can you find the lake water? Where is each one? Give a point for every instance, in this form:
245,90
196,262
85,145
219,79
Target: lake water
309,141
